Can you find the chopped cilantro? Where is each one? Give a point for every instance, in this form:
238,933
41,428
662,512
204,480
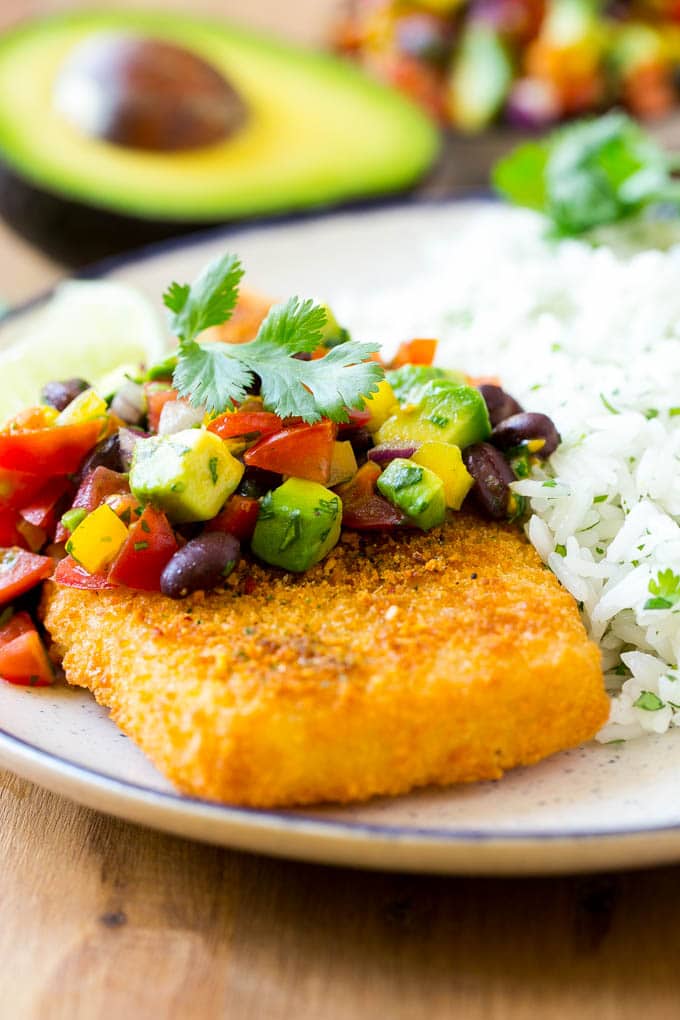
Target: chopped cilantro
649,701
665,591
140,546
609,407
550,483
650,413
561,550
600,499
212,465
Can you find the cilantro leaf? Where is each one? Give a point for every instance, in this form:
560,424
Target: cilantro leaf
590,174
208,301
666,591
218,376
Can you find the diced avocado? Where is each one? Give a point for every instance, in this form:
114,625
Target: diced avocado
447,463
446,413
480,77
333,333
188,474
409,381
417,491
299,523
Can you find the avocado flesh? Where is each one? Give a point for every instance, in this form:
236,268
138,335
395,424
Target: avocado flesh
189,474
447,412
318,132
416,491
299,523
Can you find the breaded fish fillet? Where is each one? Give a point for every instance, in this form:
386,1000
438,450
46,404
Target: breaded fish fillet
397,662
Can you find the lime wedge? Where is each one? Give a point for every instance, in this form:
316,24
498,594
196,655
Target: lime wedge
88,329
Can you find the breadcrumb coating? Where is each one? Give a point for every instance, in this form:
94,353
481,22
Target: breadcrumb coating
397,662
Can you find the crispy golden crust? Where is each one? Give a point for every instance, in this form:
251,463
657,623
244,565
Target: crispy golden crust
436,658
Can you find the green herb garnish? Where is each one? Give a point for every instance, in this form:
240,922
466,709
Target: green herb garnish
666,591
590,174
217,376
650,701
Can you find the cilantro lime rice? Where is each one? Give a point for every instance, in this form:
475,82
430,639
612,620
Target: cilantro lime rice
591,337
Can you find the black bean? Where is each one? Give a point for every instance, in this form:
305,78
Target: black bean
361,440
105,454
59,394
492,476
201,565
386,452
256,482
527,427
499,404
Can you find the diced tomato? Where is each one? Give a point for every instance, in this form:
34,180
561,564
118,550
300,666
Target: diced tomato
72,575
17,624
95,487
305,451
363,508
42,510
484,380
126,506
23,659
20,571
9,534
32,538
238,518
17,488
149,546
156,399
56,450
415,352
244,423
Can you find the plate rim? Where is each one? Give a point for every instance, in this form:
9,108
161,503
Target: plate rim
330,831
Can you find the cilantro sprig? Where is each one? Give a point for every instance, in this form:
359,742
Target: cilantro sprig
217,376
590,174
665,591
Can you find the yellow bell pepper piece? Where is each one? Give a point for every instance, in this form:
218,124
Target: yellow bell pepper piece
446,461
87,406
381,405
343,464
97,540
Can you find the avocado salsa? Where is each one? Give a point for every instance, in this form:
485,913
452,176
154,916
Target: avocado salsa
151,489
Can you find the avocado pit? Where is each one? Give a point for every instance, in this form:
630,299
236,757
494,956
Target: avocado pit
145,93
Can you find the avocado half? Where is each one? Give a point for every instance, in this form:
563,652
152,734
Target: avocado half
318,132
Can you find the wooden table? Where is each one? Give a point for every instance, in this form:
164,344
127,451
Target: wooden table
100,919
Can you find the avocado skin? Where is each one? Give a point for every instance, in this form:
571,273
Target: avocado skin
74,232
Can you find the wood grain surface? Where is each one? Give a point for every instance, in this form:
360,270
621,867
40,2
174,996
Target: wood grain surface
100,919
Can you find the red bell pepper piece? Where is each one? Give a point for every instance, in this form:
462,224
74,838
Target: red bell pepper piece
357,419
95,487
56,450
72,575
156,399
304,451
238,518
23,659
362,507
244,423
148,547
20,571
415,352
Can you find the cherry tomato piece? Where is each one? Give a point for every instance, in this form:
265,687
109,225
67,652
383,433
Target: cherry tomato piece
244,423
95,487
17,488
56,450
148,548
42,511
23,659
304,451
20,571
238,518
72,575
9,533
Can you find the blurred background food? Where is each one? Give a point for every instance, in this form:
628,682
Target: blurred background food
121,125
526,63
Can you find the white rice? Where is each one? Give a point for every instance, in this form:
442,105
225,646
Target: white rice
591,338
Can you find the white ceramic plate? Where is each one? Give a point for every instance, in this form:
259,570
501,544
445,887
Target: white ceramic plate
592,808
